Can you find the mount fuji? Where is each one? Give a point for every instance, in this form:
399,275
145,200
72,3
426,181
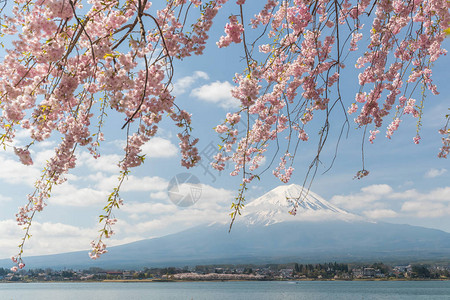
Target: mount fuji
273,207
267,233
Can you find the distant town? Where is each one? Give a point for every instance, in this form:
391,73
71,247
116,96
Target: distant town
293,271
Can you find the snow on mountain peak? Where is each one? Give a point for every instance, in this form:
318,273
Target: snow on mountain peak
274,206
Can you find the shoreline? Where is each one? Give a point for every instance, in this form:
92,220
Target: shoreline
220,280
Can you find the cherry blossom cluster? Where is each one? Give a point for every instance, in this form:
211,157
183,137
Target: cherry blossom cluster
233,31
20,264
295,75
445,132
24,155
74,59
282,166
98,249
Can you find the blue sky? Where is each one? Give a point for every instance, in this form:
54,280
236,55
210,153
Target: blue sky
407,184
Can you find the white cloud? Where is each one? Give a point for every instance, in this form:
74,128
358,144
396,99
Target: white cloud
212,196
69,195
377,189
145,183
175,221
137,209
367,198
137,220
161,218
47,238
183,84
22,134
46,144
41,157
156,147
14,172
105,163
435,203
4,198
380,213
432,173
159,147
406,184
51,238
102,182
218,93
211,199
161,195
408,194
426,209
131,184
439,194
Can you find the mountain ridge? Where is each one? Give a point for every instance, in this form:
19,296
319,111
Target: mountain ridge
350,242
266,233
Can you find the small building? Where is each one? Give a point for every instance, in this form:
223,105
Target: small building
286,273
358,273
369,272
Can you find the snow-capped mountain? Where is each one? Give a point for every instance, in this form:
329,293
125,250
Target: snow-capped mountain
267,233
292,202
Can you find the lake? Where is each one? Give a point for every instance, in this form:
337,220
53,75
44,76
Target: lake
248,290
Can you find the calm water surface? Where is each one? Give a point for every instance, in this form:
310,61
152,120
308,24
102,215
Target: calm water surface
259,290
